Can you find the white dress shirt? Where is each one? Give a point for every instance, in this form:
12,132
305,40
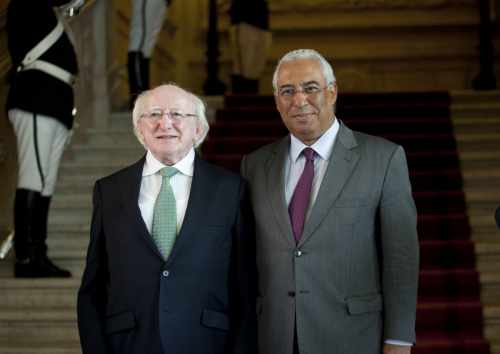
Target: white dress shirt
151,184
295,165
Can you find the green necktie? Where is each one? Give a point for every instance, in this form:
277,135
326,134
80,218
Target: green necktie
165,214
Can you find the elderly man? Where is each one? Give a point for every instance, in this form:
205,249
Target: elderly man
169,265
337,249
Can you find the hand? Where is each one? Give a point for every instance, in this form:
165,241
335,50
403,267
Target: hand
396,349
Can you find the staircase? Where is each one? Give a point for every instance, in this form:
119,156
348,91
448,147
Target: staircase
39,315
476,120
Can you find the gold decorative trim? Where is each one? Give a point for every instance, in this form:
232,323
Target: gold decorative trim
298,5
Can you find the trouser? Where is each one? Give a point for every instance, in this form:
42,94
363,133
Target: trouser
40,145
295,341
249,45
145,25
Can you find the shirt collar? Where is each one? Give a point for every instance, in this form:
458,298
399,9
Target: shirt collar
184,166
323,146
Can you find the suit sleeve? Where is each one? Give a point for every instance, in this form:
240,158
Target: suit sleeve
244,280
400,251
243,167
92,294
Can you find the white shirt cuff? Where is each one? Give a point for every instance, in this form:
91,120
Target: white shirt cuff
398,342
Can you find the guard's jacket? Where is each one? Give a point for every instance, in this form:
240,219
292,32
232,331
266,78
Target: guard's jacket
29,22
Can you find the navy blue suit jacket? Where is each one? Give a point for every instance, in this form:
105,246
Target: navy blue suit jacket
201,300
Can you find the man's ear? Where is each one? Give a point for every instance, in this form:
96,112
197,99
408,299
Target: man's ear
198,130
138,132
332,93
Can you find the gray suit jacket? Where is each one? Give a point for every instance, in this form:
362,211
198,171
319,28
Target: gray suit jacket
351,282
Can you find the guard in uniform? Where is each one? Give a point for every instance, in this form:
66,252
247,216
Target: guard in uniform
40,107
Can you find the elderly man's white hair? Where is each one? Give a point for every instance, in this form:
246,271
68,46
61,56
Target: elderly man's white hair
302,54
200,109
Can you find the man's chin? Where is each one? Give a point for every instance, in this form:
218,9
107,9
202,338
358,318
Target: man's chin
306,137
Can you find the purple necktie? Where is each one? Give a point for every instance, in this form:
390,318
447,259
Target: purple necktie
302,195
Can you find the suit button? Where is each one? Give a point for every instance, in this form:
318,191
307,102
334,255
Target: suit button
166,273
298,253
291,293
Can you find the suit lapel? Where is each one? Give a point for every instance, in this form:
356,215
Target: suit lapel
276,188
342,162
130,200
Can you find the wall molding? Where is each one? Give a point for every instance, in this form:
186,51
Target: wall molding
300,5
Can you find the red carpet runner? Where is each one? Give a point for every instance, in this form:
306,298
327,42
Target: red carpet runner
449,315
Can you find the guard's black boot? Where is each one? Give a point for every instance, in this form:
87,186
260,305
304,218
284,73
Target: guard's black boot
144,73
30,220
138,75
25,205
49,268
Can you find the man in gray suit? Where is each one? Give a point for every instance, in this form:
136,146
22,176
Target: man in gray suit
337,247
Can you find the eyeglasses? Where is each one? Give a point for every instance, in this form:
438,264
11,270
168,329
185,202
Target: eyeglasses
155,115
310,90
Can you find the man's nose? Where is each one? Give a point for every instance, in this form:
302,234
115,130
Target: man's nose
300,99
166,121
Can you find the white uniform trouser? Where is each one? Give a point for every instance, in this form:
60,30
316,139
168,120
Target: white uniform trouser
40,145
145,25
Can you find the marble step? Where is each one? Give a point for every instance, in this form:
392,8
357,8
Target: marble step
75,183
107,137
65,244
25,294
480,110
490,287
58,235
14,347
476,124
43,326
488,257
484,227
73,199
71,216
69,229
482,180
491,315
69,249
97,169
74,265
478,141
121,120
474,97
113,154
485,233
482,202
478,160
21,346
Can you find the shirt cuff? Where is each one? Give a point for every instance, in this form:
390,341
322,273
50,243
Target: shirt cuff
398,342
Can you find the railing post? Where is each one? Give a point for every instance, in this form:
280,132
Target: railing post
213,86
485,80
